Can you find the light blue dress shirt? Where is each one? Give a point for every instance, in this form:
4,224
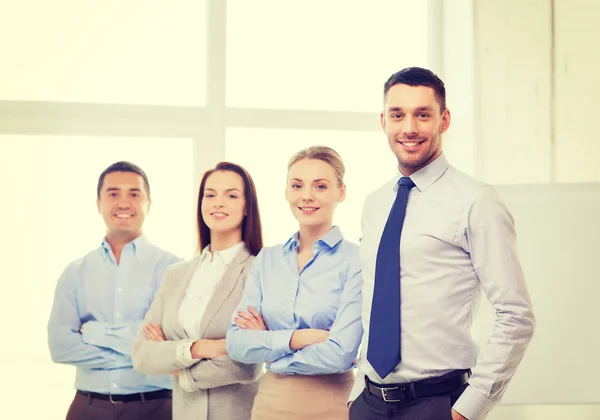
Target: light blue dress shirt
111,300
325,294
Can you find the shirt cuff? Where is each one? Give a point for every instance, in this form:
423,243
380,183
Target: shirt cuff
185,380
280,342
281,365
92,331
472,404
183,353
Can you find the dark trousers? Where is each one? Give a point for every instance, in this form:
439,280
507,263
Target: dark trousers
87,408
371,407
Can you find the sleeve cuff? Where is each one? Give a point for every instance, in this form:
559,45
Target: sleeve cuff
91,332
183,353
473,405
280,365
280,342
185,380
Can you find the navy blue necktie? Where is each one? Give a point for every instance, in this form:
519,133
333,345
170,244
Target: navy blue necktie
384,328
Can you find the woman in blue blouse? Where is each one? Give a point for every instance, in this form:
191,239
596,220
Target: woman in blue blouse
301,307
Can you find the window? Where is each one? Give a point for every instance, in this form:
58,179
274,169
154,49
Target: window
368,160
325,55
118,52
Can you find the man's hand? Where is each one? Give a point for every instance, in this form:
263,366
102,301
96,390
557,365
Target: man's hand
154,332
251,320
208,349
457,416
175,373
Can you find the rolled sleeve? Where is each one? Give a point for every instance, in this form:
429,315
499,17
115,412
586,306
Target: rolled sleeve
184,353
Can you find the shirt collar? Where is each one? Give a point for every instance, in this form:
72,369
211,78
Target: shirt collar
330,239
138,245
226,255
427,175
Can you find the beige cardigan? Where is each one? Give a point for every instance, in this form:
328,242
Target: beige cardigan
223,388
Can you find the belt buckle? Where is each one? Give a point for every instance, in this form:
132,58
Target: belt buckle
386,399
113,401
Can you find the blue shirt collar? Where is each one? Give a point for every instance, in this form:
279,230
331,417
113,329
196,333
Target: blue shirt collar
138,245
427,175
330,239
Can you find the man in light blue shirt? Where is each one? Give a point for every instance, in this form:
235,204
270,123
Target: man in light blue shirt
100,301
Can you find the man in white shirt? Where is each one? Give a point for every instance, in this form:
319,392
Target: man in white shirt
418,360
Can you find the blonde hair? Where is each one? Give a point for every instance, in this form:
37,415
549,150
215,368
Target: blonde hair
325,154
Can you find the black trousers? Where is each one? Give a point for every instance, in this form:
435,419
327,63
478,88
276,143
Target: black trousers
371,407
86,408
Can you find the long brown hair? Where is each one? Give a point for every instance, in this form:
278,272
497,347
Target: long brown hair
251,226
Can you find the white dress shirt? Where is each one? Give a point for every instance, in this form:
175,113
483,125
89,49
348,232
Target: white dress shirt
200,290
457,236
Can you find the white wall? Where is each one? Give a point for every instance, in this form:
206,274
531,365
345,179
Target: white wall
536,100
537,89
577,85
513,101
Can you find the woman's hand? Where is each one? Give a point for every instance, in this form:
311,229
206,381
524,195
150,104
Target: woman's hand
251,320
208,349
154,332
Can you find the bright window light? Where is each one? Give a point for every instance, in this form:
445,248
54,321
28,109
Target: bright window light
112,51
321,55
265,153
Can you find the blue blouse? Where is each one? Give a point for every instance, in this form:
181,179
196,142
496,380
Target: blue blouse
325,294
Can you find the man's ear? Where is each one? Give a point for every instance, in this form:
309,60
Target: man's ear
446,118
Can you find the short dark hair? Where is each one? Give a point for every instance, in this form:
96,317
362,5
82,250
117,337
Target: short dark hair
418,76
251,226
123,166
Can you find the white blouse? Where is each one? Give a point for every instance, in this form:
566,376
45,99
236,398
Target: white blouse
200,290
203,284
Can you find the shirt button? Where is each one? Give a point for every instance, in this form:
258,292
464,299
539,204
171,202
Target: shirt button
119,290
117,315
114,385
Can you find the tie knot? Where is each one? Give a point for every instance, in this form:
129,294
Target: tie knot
406,182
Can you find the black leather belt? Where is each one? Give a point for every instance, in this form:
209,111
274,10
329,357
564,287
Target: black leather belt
419,389
117,399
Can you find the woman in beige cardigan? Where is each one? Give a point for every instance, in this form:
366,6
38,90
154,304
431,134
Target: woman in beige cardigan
184,330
